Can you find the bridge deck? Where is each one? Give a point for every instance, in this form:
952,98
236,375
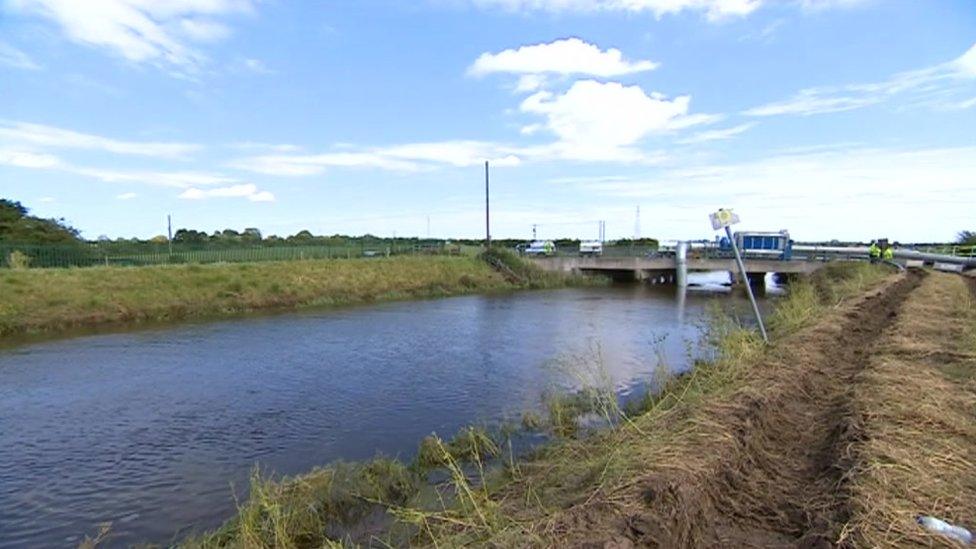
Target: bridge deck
569,264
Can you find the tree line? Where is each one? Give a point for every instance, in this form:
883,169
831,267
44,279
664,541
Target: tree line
18,226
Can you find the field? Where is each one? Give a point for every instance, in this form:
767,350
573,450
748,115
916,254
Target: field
47,300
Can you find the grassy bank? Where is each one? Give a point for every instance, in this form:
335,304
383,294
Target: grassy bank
47,300
918,452
681,450
566,493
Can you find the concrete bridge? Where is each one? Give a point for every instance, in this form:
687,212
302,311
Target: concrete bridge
673,268
665,269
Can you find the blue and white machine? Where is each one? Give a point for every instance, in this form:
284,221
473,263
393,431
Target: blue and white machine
776,245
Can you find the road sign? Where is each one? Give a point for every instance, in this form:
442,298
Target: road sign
723,218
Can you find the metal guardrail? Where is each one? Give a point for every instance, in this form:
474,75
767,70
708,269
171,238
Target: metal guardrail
955,250
962,255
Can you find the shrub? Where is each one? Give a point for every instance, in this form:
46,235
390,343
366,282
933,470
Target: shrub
18,260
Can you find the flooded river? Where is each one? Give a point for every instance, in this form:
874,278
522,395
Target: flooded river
150,429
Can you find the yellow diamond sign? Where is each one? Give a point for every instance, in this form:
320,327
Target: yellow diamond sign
723,218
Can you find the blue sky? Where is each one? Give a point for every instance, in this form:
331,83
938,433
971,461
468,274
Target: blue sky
850,119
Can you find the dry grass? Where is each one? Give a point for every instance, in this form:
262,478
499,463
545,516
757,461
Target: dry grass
915,405
38,300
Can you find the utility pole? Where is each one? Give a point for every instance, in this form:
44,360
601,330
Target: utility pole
169,232
428,227
487,222
534,226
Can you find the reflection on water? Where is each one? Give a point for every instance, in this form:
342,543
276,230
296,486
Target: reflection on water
150,429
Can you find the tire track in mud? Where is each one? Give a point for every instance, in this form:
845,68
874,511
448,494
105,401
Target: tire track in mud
779,479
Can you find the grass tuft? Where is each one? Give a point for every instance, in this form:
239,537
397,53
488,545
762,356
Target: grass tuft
314,509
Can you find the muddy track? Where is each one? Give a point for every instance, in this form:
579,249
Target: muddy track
775,475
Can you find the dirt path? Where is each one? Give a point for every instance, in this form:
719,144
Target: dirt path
789,487
766,467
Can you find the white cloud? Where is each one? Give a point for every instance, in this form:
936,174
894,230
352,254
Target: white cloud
717,134
965,64
50,136
602,121
313,164
46,199
927,86
410,157
962,105
814,101
713,9
203,30
247,190
140,30
906,194
820,5
15,58
256,66
455,153
592,121
178,179
564,57
267,147
28,159
189,181
528,83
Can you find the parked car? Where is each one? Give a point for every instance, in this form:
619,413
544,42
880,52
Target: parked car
541,247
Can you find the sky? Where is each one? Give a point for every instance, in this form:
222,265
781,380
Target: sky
847,119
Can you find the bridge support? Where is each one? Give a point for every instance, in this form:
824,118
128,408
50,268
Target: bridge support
681,264
756,280
785,278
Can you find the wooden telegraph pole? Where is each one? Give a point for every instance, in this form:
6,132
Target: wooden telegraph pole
169,233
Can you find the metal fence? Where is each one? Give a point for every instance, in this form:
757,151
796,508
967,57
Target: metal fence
93,254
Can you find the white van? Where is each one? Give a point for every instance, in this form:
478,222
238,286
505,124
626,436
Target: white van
591,247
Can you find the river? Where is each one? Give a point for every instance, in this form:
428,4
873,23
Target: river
150,429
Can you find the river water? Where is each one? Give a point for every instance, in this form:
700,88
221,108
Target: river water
154,430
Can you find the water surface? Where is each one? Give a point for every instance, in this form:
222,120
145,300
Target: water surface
150,429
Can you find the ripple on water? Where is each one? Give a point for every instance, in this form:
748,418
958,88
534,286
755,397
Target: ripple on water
154,430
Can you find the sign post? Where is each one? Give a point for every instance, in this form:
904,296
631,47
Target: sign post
724,219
